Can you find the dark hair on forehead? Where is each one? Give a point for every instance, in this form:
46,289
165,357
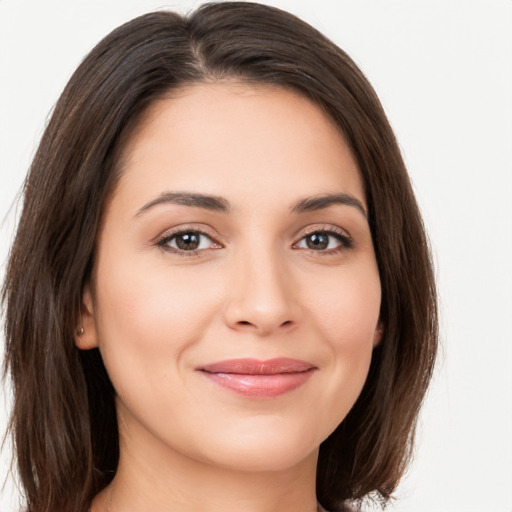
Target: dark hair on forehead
63,421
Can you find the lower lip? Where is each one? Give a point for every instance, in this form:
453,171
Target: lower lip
260,386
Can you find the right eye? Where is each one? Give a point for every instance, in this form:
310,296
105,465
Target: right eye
188,241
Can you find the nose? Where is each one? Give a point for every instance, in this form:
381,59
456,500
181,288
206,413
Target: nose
261,298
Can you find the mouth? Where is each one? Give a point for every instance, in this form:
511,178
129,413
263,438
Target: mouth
259,379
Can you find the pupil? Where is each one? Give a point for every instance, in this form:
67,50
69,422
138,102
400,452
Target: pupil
188,241
317,241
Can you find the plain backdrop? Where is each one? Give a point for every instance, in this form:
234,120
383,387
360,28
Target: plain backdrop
443,70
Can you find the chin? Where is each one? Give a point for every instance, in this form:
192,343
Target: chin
263,460
263,449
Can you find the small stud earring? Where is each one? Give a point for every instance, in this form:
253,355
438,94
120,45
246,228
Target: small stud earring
81,331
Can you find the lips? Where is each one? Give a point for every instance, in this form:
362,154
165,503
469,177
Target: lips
259,379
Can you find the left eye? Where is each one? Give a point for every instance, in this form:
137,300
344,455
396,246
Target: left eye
321,241
187,241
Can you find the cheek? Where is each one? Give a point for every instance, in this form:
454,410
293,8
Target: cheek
347,315
148,318
347,308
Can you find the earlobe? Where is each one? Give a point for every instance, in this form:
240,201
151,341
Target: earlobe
86,336
378,334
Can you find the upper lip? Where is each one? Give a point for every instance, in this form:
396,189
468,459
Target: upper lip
249,366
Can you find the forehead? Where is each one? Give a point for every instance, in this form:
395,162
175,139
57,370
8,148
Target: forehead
234,138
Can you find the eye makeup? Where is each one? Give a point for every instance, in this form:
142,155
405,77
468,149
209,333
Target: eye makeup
325,240
188,241
191,241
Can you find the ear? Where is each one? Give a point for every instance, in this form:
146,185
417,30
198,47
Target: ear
86,335
378,334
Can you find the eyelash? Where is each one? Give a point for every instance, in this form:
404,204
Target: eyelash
345,242
165,240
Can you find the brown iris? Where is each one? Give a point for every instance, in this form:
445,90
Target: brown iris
317,241
187,241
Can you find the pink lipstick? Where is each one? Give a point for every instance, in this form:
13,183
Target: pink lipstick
259,379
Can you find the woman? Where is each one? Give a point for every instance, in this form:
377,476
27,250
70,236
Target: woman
220,294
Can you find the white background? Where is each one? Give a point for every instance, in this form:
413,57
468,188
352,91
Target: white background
443,70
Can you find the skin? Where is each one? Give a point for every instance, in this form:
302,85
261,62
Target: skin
253,289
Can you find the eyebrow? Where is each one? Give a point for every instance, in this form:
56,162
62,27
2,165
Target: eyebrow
219,204
213,203
310,204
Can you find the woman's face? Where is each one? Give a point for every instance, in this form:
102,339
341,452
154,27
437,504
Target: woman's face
235,295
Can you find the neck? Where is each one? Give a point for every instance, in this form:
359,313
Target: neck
163,480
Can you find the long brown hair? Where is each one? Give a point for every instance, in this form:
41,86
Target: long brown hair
63,420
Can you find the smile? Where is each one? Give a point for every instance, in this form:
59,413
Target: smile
259,379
